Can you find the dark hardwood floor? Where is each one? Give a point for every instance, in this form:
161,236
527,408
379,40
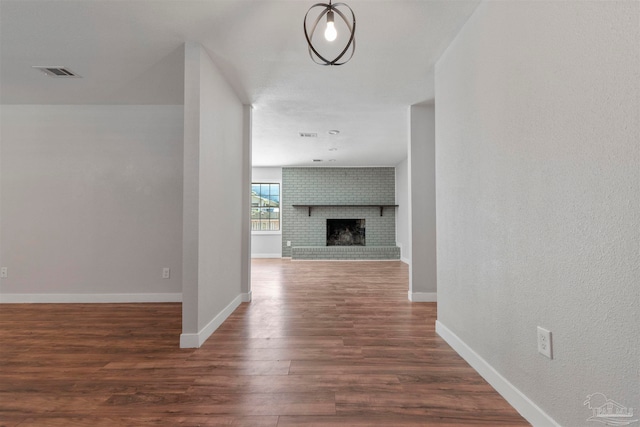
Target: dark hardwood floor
322,344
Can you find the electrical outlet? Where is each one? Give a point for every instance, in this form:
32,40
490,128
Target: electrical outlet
544,342
4,272
288,242
166,273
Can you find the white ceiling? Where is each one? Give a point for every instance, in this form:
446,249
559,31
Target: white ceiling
130,52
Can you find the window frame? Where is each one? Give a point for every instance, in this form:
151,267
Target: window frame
269,232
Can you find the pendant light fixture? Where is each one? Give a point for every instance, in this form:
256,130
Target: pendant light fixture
330,11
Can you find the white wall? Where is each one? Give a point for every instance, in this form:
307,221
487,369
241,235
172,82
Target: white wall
215,180
91,203
422,215
537,129
245,257
267,244
403,224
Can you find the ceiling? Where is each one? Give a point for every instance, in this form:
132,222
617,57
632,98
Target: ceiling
130,52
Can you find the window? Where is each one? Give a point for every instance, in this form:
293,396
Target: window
265,207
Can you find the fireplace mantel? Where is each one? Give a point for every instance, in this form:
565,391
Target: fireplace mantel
310,206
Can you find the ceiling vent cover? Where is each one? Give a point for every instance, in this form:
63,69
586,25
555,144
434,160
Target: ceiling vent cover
308,135
56,71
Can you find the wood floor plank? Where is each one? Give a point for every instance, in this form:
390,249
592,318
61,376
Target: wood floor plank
321,344
269,404
217,341
297,384
240,352
163,421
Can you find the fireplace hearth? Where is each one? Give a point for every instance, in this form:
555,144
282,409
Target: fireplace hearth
345,232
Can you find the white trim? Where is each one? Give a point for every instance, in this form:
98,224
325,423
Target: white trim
190,340
246,297
528,409
268,232
89,298
196,340
402,257
266,255
423,296
342,260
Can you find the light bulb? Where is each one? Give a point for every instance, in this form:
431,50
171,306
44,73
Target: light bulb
330,33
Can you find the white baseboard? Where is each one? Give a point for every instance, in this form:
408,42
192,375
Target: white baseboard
246,297
529,410
344,260
88,298
423,296
196,340
405,260
266,255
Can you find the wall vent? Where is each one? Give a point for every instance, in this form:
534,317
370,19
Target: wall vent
308,135
55,71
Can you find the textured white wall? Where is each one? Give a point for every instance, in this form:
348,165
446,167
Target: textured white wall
422,189
403,225
538,175
221,191
91,202
191,193
267,244
247,153
215,180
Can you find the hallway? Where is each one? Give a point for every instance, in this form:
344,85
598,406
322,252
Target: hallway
322,344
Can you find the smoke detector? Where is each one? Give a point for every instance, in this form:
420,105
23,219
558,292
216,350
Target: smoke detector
55,71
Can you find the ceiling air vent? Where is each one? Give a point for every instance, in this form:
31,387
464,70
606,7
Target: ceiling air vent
308,135
56,71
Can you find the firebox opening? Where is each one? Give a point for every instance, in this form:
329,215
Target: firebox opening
345,232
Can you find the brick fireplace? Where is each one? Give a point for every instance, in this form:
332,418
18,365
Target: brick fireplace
339,194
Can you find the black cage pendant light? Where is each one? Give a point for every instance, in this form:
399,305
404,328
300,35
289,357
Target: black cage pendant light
330,11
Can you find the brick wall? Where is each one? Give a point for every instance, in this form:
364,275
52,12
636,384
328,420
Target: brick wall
367,186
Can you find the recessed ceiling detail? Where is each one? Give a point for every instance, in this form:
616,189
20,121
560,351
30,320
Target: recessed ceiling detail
135,59
334,132
55,71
